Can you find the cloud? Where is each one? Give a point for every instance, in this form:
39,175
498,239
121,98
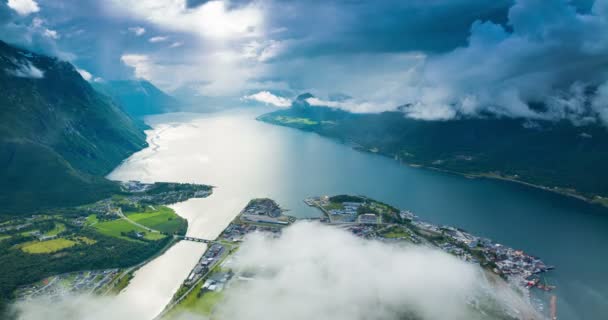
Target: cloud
550,55
352,105
543,60
215,31
74,307
213,19
85,74
51,34
214,74
489,58
158,39
600,102
25,69
263,51
269,98
320,272
24,7
140,63
138,31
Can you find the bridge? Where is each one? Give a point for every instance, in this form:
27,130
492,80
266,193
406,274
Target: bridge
195,239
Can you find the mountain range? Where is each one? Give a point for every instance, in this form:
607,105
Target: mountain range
138,97
59,137
554,155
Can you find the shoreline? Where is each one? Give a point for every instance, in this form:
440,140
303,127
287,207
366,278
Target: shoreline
491,176
595,200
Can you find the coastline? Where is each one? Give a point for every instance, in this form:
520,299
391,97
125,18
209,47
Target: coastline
594,200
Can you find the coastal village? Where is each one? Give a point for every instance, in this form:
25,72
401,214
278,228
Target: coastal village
374,219
135,216
363,217
88,282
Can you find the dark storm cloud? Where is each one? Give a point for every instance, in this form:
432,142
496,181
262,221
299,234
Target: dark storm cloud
542,59
551,55
331,27
444,58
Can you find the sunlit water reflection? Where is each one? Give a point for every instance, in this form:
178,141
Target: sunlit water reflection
245,158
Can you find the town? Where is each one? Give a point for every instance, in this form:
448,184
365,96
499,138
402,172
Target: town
213,272
363,217
134,224
371,219
70,283
359,215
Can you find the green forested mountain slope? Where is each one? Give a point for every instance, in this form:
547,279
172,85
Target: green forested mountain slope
557,155
138,97
58,136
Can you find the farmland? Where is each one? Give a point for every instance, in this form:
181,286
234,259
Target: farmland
120,228
48,246
160,218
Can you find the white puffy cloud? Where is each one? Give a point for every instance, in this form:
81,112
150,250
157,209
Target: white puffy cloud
212,74
140,63
547,53
263,51
158,39
51,34
269,98
213,19
501,71
24,7
138,31
320,272
216,65
85,74
74,307
25,69
353,105
550,55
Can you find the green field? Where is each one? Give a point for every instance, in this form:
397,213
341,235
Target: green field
86,240
295,120
159,218
121,283
334,206
115,228
59,228
92,219
197,302
48,246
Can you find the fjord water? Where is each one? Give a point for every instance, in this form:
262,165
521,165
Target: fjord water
245,158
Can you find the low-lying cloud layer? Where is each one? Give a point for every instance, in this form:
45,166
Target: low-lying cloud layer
25,69
269,99
318,272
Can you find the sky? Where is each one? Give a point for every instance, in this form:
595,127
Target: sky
441,59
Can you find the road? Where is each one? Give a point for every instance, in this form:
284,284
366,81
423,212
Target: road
122,215
192,287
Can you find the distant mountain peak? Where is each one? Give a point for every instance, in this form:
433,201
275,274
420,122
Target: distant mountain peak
138,97
304,96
